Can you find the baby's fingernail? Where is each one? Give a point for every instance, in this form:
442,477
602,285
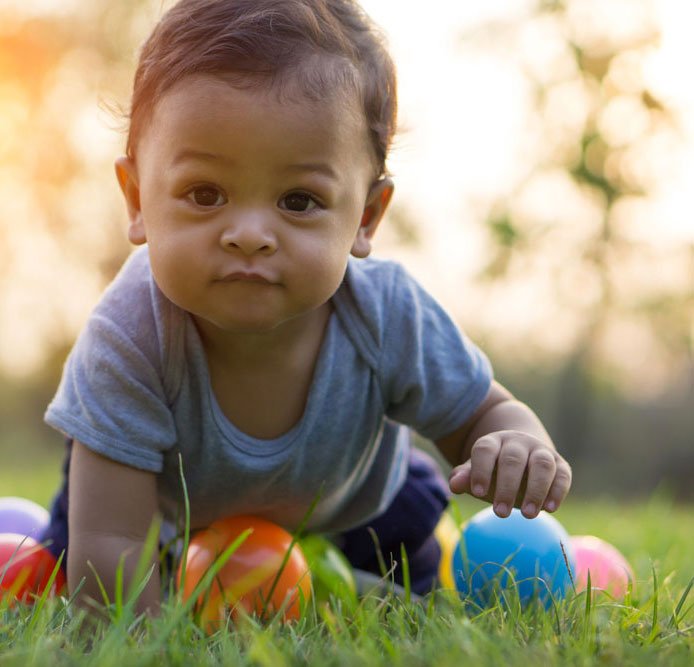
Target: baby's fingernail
530,509
478,490
550,506
501,509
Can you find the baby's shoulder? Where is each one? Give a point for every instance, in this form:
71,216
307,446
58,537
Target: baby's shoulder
372,273
128,298
371,291
376,286
367,285
134,306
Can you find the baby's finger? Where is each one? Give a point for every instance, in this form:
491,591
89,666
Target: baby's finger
542,467
560,486
459,479
483,458
513,459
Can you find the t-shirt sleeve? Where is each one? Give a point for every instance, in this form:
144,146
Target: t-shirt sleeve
111,396
433,376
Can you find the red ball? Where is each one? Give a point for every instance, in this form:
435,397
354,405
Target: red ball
26,567
247,580
609,569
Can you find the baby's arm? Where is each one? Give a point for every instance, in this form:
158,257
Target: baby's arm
504,455
111,507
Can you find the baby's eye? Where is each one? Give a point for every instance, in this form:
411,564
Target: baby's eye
207,196
298,202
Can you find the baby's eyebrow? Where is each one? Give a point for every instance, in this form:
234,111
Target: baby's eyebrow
323,168
194,154
313,167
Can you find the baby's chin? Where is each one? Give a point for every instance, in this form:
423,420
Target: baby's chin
250,324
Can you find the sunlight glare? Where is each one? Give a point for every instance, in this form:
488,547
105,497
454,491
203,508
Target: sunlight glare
469,137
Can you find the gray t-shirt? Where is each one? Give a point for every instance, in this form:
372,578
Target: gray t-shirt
136,389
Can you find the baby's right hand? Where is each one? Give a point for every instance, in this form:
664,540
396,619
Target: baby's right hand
512,468
111,509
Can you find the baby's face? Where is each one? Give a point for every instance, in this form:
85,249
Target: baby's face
250,204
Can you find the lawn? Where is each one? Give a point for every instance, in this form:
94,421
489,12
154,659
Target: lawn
39,486
652,626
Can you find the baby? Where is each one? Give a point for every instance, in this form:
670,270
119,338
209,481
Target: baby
252,338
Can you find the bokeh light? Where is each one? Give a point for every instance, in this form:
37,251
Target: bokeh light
493,109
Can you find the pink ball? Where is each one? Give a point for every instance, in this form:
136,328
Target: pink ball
609,570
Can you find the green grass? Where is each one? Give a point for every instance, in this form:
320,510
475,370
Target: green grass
652,626
40,487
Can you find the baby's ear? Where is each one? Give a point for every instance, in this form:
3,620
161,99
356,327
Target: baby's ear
126,173
376,204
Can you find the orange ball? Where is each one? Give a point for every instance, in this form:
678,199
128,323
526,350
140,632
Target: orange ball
249,579
26,567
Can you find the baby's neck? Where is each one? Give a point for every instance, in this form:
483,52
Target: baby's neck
240,350
262,383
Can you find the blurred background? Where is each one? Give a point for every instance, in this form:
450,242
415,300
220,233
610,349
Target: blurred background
544,171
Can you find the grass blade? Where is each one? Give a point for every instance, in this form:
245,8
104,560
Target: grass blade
144,568
567,564
654,616
38,605
183,607
295,538
100,584
118,589
407,584
379,553
186,529
674,620
588,609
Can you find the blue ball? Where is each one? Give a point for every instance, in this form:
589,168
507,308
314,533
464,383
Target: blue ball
501,558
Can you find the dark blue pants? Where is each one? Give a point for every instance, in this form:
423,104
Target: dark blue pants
56,534
409,520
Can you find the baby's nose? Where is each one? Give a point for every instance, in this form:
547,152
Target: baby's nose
249,233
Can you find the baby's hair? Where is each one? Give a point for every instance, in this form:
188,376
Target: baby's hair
325,46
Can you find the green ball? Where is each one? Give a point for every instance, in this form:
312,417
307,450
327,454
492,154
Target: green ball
331,572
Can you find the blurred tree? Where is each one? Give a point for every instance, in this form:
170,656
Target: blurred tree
616,305
59,208
573,226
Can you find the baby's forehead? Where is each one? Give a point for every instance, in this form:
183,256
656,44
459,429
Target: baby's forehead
201,104
207,128
314,86
314,78
287,91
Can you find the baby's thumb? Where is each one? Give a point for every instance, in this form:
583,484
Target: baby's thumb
459,479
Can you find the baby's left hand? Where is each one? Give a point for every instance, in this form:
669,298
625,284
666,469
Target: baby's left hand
511,468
